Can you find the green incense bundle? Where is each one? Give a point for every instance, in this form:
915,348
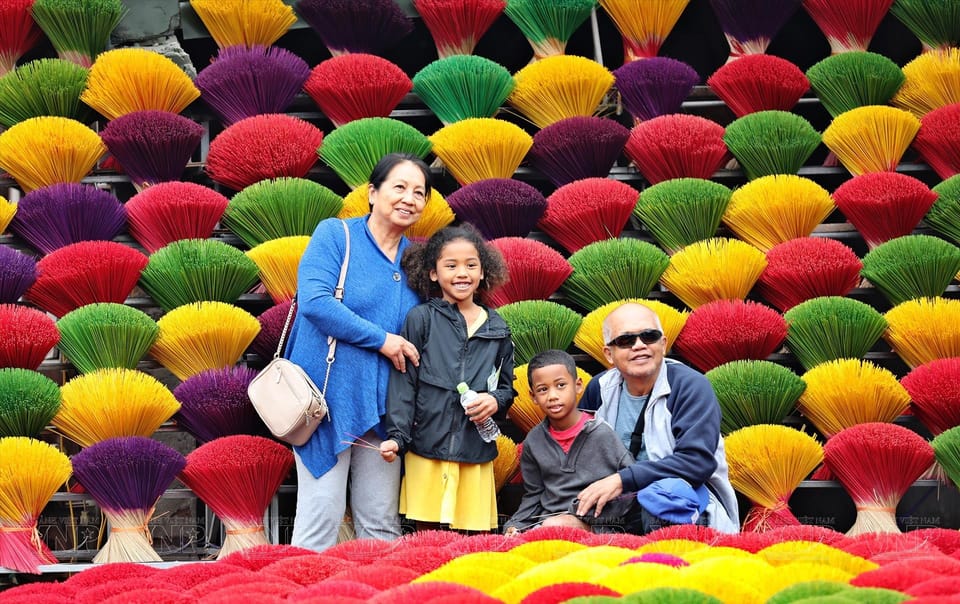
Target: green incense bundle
463,86
614,269
832,327
913,266
28,401
78,29
106,335
771,142
43,87
682,211
537,325
352,150
935,22
855,79
944,214
548,24
754,392
280,207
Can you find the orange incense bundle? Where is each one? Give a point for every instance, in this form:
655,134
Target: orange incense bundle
588,210
643,25
676,146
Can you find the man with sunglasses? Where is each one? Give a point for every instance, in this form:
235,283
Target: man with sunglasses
667,415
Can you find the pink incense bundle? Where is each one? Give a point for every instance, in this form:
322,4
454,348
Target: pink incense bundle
676,146
884,205
457,25
499,207
848,25
18,32
152,146
26,336
588,210
171,211
536,270
356,85
808,267
759,83
262,147
730,330
577,147
237,476
938,140
934,390
876,463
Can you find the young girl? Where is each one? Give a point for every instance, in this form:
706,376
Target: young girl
449,468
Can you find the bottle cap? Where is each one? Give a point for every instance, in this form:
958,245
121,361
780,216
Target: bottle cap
462,387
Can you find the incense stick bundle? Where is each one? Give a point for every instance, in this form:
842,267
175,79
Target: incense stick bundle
80,29
871,138
28,401
536,270
246,23
18,271
924,330
912,266
152,146
588,210
548,24
277,261
352,150
613,269
643,25
752,392
884,205
26,337
682,211
281,207
855,79
931,82
654,87
938,140
480,148
750,26
577,147
356,85
42,151
170,211
463,86
214,403
722,331
499,207
537,325
106,335
808,267
848,26
934,390
713,269
555,88
771,142
19,33
43,87
457,25
759,83
676,146
943,215
52,217
935,23
356,26
830,328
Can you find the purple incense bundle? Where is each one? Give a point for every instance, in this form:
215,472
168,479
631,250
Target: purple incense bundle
126,476
499,207
214,403
578,147
271,326
750,25
152,146
52,217
350,26
655,86
18,271
242,82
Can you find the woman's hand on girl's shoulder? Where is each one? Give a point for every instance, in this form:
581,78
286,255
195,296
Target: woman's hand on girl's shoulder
399,350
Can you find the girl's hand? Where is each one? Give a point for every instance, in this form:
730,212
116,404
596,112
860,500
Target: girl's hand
398,350
482,408
389,450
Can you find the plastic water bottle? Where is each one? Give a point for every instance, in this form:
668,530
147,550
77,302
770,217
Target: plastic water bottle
489,430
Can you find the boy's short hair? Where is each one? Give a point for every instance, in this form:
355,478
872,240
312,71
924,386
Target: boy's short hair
551,357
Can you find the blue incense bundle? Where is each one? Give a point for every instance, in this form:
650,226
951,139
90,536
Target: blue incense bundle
55,216
214,403
499,207
655,86
578,147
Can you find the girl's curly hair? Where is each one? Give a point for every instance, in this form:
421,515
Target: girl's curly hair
421,258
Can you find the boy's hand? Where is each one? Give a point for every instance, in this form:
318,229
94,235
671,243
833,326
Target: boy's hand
482,408
511,531
389,450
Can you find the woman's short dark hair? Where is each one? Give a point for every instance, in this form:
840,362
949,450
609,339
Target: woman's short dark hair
389,161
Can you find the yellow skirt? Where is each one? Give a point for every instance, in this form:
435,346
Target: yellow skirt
461,495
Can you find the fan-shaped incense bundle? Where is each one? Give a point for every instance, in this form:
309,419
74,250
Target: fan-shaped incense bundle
80,29
730,330
113,402
26,336
356,85
170,211
43,151
152,146
771,142
713,269
499,207
938,140
832,327
682,211
8,210
676,146
877,463
537,325
750,25
808,267
271,325
58,215
613,269
884,205
352,150
759,83
946,447
767,463
524,412
106,335
934,390
589,337
506,463
654,87
773,209
242,82
644,25
871,138
124,80
848,26
28,401
479,148
20,33
247,22
548,24
262,147
944,214
214,403
203,335
281,207
847,392
463,86
18,271
555,88
32,472
83,273
753,392
237,477
126,477
913,266
42,87
457,25
854,79
577,147
536,270
931,81
197,270
935,22
588,210
356,26
277,261
924,330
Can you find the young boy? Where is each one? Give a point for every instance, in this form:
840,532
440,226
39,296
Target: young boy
566,452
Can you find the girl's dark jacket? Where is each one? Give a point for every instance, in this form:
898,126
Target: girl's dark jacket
423,408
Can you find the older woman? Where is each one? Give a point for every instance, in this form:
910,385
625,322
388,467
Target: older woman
375,302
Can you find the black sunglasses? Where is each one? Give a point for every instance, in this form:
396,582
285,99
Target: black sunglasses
627,340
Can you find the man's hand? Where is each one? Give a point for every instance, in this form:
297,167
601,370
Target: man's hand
388,450
598,494
511,531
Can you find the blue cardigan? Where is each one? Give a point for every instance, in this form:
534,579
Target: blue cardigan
376,301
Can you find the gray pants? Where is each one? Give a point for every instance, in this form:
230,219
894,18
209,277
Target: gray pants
374,498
